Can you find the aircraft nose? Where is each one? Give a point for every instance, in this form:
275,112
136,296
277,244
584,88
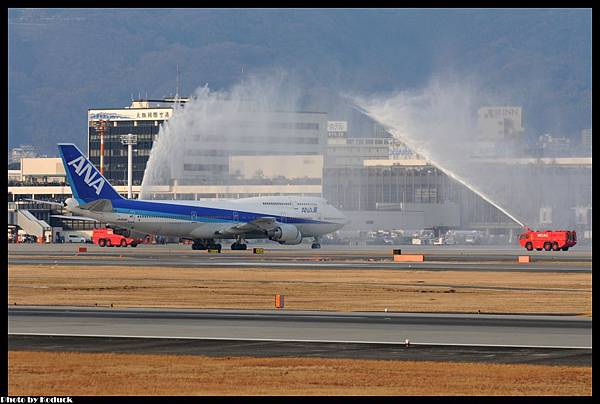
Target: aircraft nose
345,219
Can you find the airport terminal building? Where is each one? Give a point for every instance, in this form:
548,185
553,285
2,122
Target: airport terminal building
281,154
139,119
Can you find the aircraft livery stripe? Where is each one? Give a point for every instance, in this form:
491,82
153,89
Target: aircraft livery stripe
203,214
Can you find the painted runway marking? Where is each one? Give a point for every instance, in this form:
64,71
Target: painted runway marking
403,342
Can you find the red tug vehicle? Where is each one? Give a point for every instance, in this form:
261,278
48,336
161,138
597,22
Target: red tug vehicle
548,239
108,238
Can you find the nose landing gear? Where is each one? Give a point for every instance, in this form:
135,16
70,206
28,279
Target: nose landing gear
316,244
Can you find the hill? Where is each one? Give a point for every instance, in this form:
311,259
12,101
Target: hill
62,62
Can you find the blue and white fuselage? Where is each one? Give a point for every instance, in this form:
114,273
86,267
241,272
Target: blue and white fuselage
285,219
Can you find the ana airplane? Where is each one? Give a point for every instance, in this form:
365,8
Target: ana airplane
284,219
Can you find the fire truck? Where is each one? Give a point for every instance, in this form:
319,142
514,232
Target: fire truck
554,240
108,238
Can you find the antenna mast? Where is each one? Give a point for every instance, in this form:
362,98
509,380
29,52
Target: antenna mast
177,85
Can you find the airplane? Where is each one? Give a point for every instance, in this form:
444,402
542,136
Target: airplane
283,219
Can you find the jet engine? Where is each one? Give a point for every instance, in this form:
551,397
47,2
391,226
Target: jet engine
285,234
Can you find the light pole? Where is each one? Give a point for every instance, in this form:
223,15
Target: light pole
101,126
129,140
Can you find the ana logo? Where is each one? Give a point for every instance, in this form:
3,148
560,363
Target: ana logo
309,210
81,167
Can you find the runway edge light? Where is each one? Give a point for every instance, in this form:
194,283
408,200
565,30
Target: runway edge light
279,301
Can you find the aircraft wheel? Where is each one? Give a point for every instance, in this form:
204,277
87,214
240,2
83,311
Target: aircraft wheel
198,246
315,245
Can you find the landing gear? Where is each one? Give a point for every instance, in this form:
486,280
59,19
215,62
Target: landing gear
198,245
205,245
239,244
316,244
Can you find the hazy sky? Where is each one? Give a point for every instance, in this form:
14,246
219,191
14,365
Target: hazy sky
62,62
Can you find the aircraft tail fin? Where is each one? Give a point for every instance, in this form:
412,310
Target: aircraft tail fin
85,180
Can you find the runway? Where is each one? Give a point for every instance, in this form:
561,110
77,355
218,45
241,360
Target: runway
328,252
444,337
214,263
440,259
270,349
515,331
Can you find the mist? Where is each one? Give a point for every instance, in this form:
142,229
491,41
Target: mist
440,122
256,117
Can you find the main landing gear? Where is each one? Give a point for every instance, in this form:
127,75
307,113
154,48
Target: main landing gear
239,244
205,245
316,244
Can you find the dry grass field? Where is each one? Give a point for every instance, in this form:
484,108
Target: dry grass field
52,373
323,289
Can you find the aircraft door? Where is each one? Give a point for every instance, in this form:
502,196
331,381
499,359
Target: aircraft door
130,217
194,216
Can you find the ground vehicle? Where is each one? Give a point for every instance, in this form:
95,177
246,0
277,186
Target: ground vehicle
27,238
108,238
548,239
75,238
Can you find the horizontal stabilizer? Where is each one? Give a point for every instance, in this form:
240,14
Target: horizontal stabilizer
46,202
84,219
100,205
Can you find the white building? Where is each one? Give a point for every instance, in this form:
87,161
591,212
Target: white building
497,126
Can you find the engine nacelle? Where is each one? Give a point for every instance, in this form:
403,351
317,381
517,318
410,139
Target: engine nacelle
285,234
71,203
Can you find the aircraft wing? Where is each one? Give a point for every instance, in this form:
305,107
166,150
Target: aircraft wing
259,225
86,219
46,202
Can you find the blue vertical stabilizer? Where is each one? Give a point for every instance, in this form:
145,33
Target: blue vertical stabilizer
87,184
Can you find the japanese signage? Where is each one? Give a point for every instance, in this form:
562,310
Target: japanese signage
130,114
337,128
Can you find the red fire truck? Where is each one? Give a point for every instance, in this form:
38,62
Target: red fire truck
548,239
108,238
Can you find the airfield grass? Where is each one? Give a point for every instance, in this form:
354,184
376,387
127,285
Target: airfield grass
64,373
310,289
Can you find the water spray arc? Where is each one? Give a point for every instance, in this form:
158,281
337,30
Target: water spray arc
445,170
